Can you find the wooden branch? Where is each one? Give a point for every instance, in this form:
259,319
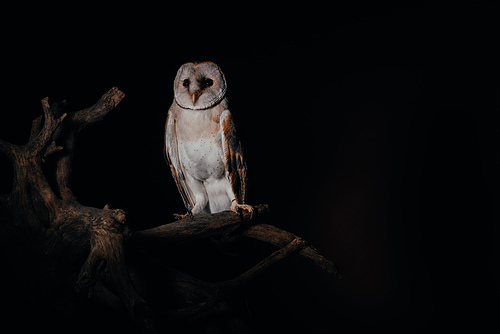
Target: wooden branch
275,236
51,149
198,227
106,260
101,108
49,127
32,200
70,230
228,223
205,298
42,130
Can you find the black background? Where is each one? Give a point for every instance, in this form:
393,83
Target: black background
370,129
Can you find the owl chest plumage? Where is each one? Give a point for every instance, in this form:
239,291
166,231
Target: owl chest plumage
199,143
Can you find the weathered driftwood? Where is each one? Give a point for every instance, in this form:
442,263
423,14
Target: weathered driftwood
66,231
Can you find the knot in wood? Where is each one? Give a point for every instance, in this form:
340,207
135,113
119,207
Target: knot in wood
119,216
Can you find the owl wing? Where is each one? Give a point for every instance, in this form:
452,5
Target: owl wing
171,154
236,168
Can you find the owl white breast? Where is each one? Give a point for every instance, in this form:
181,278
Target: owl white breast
199,144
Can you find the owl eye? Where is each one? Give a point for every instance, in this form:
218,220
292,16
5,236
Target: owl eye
185,83
209,82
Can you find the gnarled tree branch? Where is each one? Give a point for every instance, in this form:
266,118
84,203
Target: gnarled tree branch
101,108
228,223
29,180
198,227
64,229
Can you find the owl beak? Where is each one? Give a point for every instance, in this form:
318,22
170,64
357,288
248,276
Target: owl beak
195,96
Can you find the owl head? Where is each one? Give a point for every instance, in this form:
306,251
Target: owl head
199,85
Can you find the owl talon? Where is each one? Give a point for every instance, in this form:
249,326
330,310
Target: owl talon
238,208
188,214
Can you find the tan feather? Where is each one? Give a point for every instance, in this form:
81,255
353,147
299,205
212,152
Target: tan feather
236,167
172,158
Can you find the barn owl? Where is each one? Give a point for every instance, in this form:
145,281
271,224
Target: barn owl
202,146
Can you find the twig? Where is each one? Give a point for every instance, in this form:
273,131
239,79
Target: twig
275,236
